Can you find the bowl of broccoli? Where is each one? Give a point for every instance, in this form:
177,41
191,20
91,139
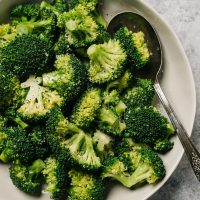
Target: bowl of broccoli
75,121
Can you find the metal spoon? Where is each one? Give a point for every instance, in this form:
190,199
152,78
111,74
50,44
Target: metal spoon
135,23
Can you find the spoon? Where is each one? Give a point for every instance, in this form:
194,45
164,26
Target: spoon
154,71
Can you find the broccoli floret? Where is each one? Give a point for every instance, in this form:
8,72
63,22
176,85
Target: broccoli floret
85,186
81,29
136,48
39,140
86,109
3,139
110,120
122,83
91,4
77,149
18,146
7,34
147,125
57,6
162,146
69,79
62,46
9,87
57,124
140,95
25,55
135,166
25,12
56,178
29,19
27,178
106,61
39,100
103,144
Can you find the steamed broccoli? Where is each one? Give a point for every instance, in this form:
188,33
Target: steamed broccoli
25,55
85,186
7,34
76,149
86,109
103,144
57,6
135,166
147,125
9,87
110,119
81,29
136,48
140,95
39,140
56,178
27,178
62,46
30,19
69,79
3,139
39,100
18,146
106,61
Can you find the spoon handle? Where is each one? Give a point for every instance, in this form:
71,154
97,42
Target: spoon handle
191,151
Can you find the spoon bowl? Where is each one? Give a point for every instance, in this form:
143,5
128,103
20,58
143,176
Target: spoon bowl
135,23
153,70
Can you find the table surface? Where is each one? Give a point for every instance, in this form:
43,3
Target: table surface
184,17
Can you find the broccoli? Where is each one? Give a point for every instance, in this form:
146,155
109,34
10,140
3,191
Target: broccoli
110,119
147,125
27,178
7,34
25,12
3,139
103,144
91,4
39,140
136,48
25,55
62,46
69,79
86,109
9,87
77,149
56,178
39,100
163,145
18,146
106,61
135,166
140,95
80,27
85,186
57,6
57,124
30,19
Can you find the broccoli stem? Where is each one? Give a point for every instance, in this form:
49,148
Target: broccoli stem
108,116
6,155
22,124
75,142
120,108
36,168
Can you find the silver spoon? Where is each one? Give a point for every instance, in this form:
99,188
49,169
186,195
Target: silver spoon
135,23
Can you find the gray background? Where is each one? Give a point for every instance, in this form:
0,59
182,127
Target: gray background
184,17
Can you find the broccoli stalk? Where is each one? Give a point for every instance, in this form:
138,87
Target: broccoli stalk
27,178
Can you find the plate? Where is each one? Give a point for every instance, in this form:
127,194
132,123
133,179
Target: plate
177,83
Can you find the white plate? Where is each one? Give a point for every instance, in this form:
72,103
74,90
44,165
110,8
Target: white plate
177,84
